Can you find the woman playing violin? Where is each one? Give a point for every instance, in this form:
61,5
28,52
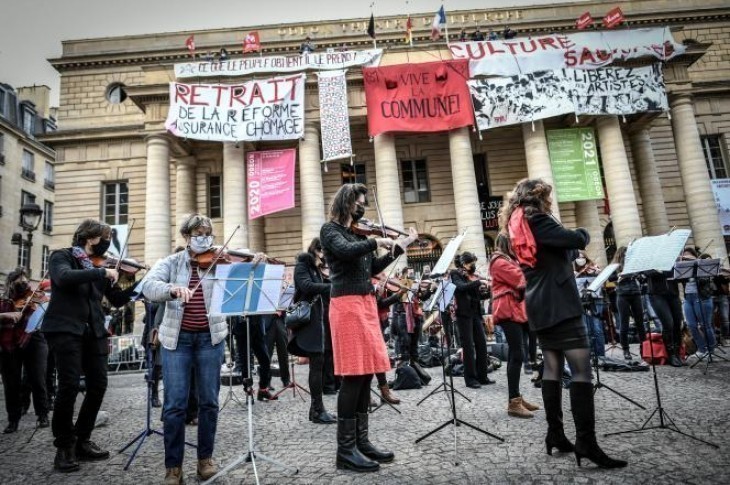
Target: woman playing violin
357,342
191,341
74,328
19,350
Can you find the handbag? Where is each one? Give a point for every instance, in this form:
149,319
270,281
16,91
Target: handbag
299,314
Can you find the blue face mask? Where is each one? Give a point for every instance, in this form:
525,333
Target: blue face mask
200,244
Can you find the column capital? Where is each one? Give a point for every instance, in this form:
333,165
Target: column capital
158,138
680,99
189,161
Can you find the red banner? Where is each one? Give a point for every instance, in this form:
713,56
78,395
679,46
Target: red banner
251,42
613,18
426,97
584,21
270,181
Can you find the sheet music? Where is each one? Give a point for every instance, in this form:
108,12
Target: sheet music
658,253
231,287
442,265
602,277
448,289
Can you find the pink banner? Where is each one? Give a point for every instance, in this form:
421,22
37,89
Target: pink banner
270,181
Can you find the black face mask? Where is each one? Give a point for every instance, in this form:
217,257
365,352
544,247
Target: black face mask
101,248
359,212
471,269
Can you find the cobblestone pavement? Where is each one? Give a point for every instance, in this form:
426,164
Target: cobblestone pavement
698,404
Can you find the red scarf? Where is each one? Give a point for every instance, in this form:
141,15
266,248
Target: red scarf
521,238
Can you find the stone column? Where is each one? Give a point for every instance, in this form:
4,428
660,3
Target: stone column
256,234
624,210
387,181
586,215
703,216
184,192
235,207
538,158
157,240
466,197
311,192
650,188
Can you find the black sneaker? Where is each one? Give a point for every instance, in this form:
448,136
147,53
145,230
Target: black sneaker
65,460
12,427
90,451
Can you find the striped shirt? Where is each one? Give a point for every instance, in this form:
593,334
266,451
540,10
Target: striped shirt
195,316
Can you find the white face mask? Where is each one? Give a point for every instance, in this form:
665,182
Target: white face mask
200,244
580,261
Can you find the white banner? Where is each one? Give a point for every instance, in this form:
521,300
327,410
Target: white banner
580,50
334,116
267,109
320,61
524,98
721,192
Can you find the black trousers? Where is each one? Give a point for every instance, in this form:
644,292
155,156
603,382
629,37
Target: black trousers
406,343
316,366
515,334
474,342
32,359
76,356
354,396
630,306
330,381
276,336
668,309
258,347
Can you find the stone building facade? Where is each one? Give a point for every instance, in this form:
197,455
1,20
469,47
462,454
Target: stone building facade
27,175
116,162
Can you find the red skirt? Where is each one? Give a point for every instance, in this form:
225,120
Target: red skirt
358,347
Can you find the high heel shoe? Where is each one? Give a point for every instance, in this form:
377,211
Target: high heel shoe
562,444
597,456
552,392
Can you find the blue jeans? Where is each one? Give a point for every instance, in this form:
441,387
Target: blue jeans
194,352
594,326
698,314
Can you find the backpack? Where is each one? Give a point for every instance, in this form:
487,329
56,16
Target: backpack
406,378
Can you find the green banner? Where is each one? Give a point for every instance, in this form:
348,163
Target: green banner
574,160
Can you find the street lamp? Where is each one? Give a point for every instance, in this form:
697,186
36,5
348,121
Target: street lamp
30,218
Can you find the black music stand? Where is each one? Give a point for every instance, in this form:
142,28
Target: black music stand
454,420
665,421
141,437
699,269
243,289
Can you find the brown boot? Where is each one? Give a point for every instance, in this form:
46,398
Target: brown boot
516,410
174,476
528,406
206,468
387,395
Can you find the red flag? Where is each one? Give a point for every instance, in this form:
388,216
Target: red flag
584,21
190,44
252,43
613,18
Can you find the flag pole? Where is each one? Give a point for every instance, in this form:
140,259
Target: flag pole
446,24
372,16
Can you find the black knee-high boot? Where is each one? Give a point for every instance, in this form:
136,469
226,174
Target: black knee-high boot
584,415
348,454
552,397
364,444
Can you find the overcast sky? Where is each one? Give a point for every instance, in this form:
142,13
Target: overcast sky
31,31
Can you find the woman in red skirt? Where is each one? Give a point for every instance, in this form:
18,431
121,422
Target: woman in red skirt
357,342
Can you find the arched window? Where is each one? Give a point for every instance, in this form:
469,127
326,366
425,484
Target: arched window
425,251
609,241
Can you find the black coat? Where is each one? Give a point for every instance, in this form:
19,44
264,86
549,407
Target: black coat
552,294
309,284
466,294
76,295
352,260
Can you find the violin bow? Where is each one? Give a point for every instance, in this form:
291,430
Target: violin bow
216,259
33,292
382,227
124,247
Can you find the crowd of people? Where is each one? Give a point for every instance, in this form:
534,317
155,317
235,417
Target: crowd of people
357,301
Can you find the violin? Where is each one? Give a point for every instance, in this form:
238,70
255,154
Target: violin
219,255
366,227
127,265
31,300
